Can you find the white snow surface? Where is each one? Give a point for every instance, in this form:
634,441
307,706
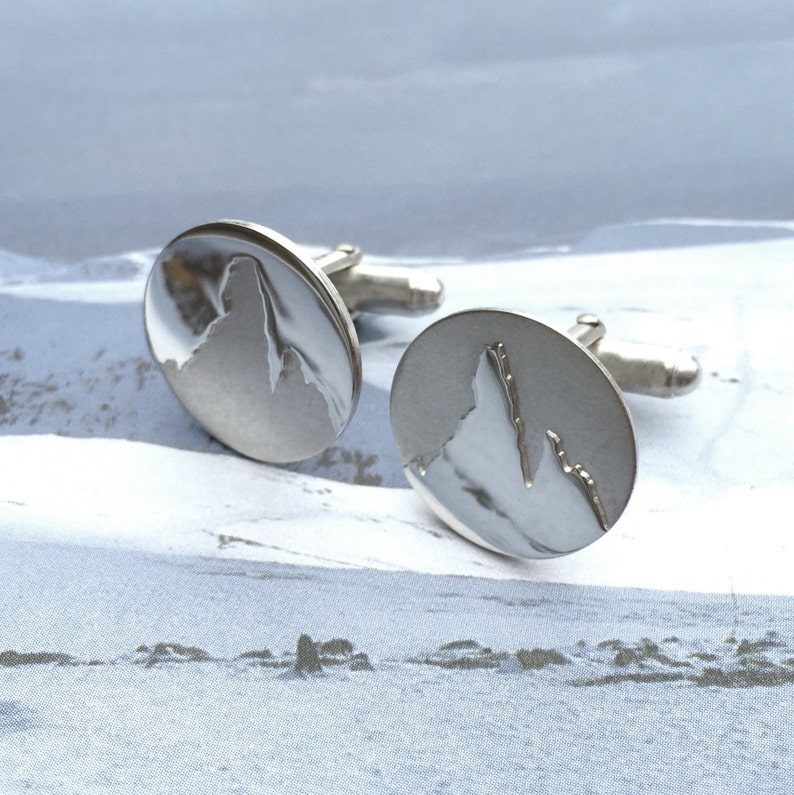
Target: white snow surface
159,535
189,730
707,510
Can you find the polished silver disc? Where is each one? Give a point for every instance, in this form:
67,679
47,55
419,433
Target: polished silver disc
513,433
254,340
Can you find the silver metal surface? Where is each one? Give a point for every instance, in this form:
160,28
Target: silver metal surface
588,329
654,370
382,289
339,258
386,289
254,340
514,433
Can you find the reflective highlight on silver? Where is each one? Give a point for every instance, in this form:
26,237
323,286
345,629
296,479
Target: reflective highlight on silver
580,475
481,466
498,355
499,474
254,340
654,370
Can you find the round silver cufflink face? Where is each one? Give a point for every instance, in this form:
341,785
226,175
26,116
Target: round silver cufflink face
254,340
513,433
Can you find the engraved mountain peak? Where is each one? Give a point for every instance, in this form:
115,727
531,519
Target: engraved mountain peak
486,471
242,371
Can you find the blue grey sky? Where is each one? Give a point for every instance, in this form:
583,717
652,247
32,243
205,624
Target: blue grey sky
436,128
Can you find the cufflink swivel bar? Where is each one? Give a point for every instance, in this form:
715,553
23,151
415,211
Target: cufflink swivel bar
383,289
653,370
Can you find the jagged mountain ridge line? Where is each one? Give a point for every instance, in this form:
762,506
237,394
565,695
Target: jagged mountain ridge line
498,359
422,462
579,475
282,358
498,354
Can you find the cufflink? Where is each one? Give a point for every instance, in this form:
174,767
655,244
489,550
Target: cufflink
517,435
256,339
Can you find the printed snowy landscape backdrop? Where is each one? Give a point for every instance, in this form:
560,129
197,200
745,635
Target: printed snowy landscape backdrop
179,619
176,618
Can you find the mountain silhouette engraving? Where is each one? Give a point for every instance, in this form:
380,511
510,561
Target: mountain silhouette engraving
483,478
254,392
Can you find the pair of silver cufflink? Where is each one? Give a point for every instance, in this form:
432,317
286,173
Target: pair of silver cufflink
515,434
